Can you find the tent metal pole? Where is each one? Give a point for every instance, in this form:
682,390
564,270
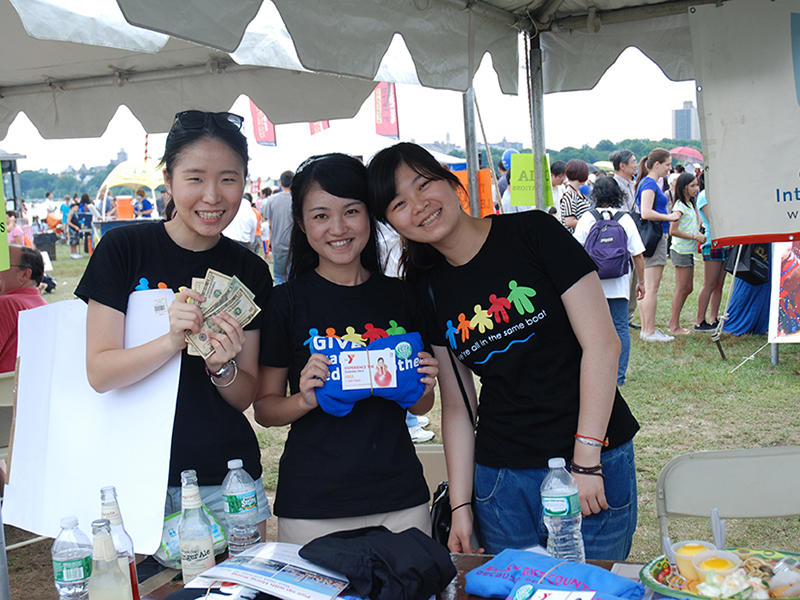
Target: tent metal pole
471,145
774,354
536,106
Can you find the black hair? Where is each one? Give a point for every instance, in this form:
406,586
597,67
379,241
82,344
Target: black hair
619,158
416,257
32,259
11,213
558,167
606,193
286,178
339,175
248,196
180,137
702,181
684,179
169,209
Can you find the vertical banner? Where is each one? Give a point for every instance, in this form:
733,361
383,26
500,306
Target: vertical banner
522,180
5,262
484,191
747,66
318,126
263,129
784,302
386,110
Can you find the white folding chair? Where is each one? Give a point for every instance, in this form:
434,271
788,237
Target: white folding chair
742,484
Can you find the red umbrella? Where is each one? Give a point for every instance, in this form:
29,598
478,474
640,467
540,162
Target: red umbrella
684,154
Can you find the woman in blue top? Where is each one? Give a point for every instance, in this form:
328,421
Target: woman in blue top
652,204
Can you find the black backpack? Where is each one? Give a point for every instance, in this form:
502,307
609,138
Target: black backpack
607,244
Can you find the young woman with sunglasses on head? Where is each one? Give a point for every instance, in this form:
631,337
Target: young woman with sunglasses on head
533,323
360,469
205,165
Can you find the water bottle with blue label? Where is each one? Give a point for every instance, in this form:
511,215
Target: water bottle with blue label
240,503
562,513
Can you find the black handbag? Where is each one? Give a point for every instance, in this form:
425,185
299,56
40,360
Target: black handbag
651,232
753,263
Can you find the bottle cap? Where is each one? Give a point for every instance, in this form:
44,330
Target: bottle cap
557,463
69,522
235,463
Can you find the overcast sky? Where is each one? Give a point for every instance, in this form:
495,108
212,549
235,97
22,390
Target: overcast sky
634,99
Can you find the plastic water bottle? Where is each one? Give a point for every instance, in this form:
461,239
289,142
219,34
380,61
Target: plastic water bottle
108,580
562,513
72,561
241,508
194,530
123,542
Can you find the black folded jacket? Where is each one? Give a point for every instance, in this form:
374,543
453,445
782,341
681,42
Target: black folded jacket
382,565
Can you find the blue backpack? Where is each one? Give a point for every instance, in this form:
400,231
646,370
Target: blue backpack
607,244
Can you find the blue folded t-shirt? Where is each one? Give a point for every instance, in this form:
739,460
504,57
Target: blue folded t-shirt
499,576
387,368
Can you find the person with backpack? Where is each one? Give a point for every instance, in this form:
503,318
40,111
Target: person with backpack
611,238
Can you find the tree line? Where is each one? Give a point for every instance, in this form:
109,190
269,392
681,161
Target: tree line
35,184
640,147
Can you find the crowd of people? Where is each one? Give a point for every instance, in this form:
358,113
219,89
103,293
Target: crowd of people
364,252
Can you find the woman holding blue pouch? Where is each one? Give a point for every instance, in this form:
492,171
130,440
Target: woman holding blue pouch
360,469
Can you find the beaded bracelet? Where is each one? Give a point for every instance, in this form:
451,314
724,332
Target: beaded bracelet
596,470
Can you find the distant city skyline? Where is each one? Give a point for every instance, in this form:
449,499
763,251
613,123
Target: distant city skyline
686,122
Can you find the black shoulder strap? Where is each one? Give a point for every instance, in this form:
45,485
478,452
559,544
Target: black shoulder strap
455,368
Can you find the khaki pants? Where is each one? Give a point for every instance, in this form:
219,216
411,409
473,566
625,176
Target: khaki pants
302,531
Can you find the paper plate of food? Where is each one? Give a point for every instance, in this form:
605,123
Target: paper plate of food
761,575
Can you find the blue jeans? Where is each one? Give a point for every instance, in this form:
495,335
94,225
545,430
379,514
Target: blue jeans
619,313
279,268
508,508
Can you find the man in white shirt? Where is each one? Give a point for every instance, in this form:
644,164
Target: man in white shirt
624,162
243,227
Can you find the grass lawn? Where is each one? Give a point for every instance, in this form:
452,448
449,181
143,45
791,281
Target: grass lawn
684,399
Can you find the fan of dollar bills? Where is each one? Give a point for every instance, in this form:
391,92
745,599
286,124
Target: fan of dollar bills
222,294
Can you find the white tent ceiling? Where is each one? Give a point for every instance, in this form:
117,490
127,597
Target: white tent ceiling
68,64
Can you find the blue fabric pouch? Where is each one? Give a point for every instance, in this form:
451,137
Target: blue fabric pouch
499,577
387,368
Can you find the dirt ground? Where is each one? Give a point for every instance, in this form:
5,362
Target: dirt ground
30,570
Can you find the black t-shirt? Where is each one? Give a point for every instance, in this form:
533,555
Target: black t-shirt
502,315
363,463
207,431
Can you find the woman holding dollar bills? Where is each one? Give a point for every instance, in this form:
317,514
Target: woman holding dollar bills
359,469
205,165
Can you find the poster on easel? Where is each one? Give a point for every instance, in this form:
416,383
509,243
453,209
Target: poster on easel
784,309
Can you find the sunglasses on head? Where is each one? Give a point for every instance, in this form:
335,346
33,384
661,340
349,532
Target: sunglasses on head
197,119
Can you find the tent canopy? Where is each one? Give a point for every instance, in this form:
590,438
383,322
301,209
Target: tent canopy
70,65
135,174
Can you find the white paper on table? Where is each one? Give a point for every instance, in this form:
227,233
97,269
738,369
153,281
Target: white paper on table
70,441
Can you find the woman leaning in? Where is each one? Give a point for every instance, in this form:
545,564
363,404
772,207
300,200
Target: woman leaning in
517,301
652,205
